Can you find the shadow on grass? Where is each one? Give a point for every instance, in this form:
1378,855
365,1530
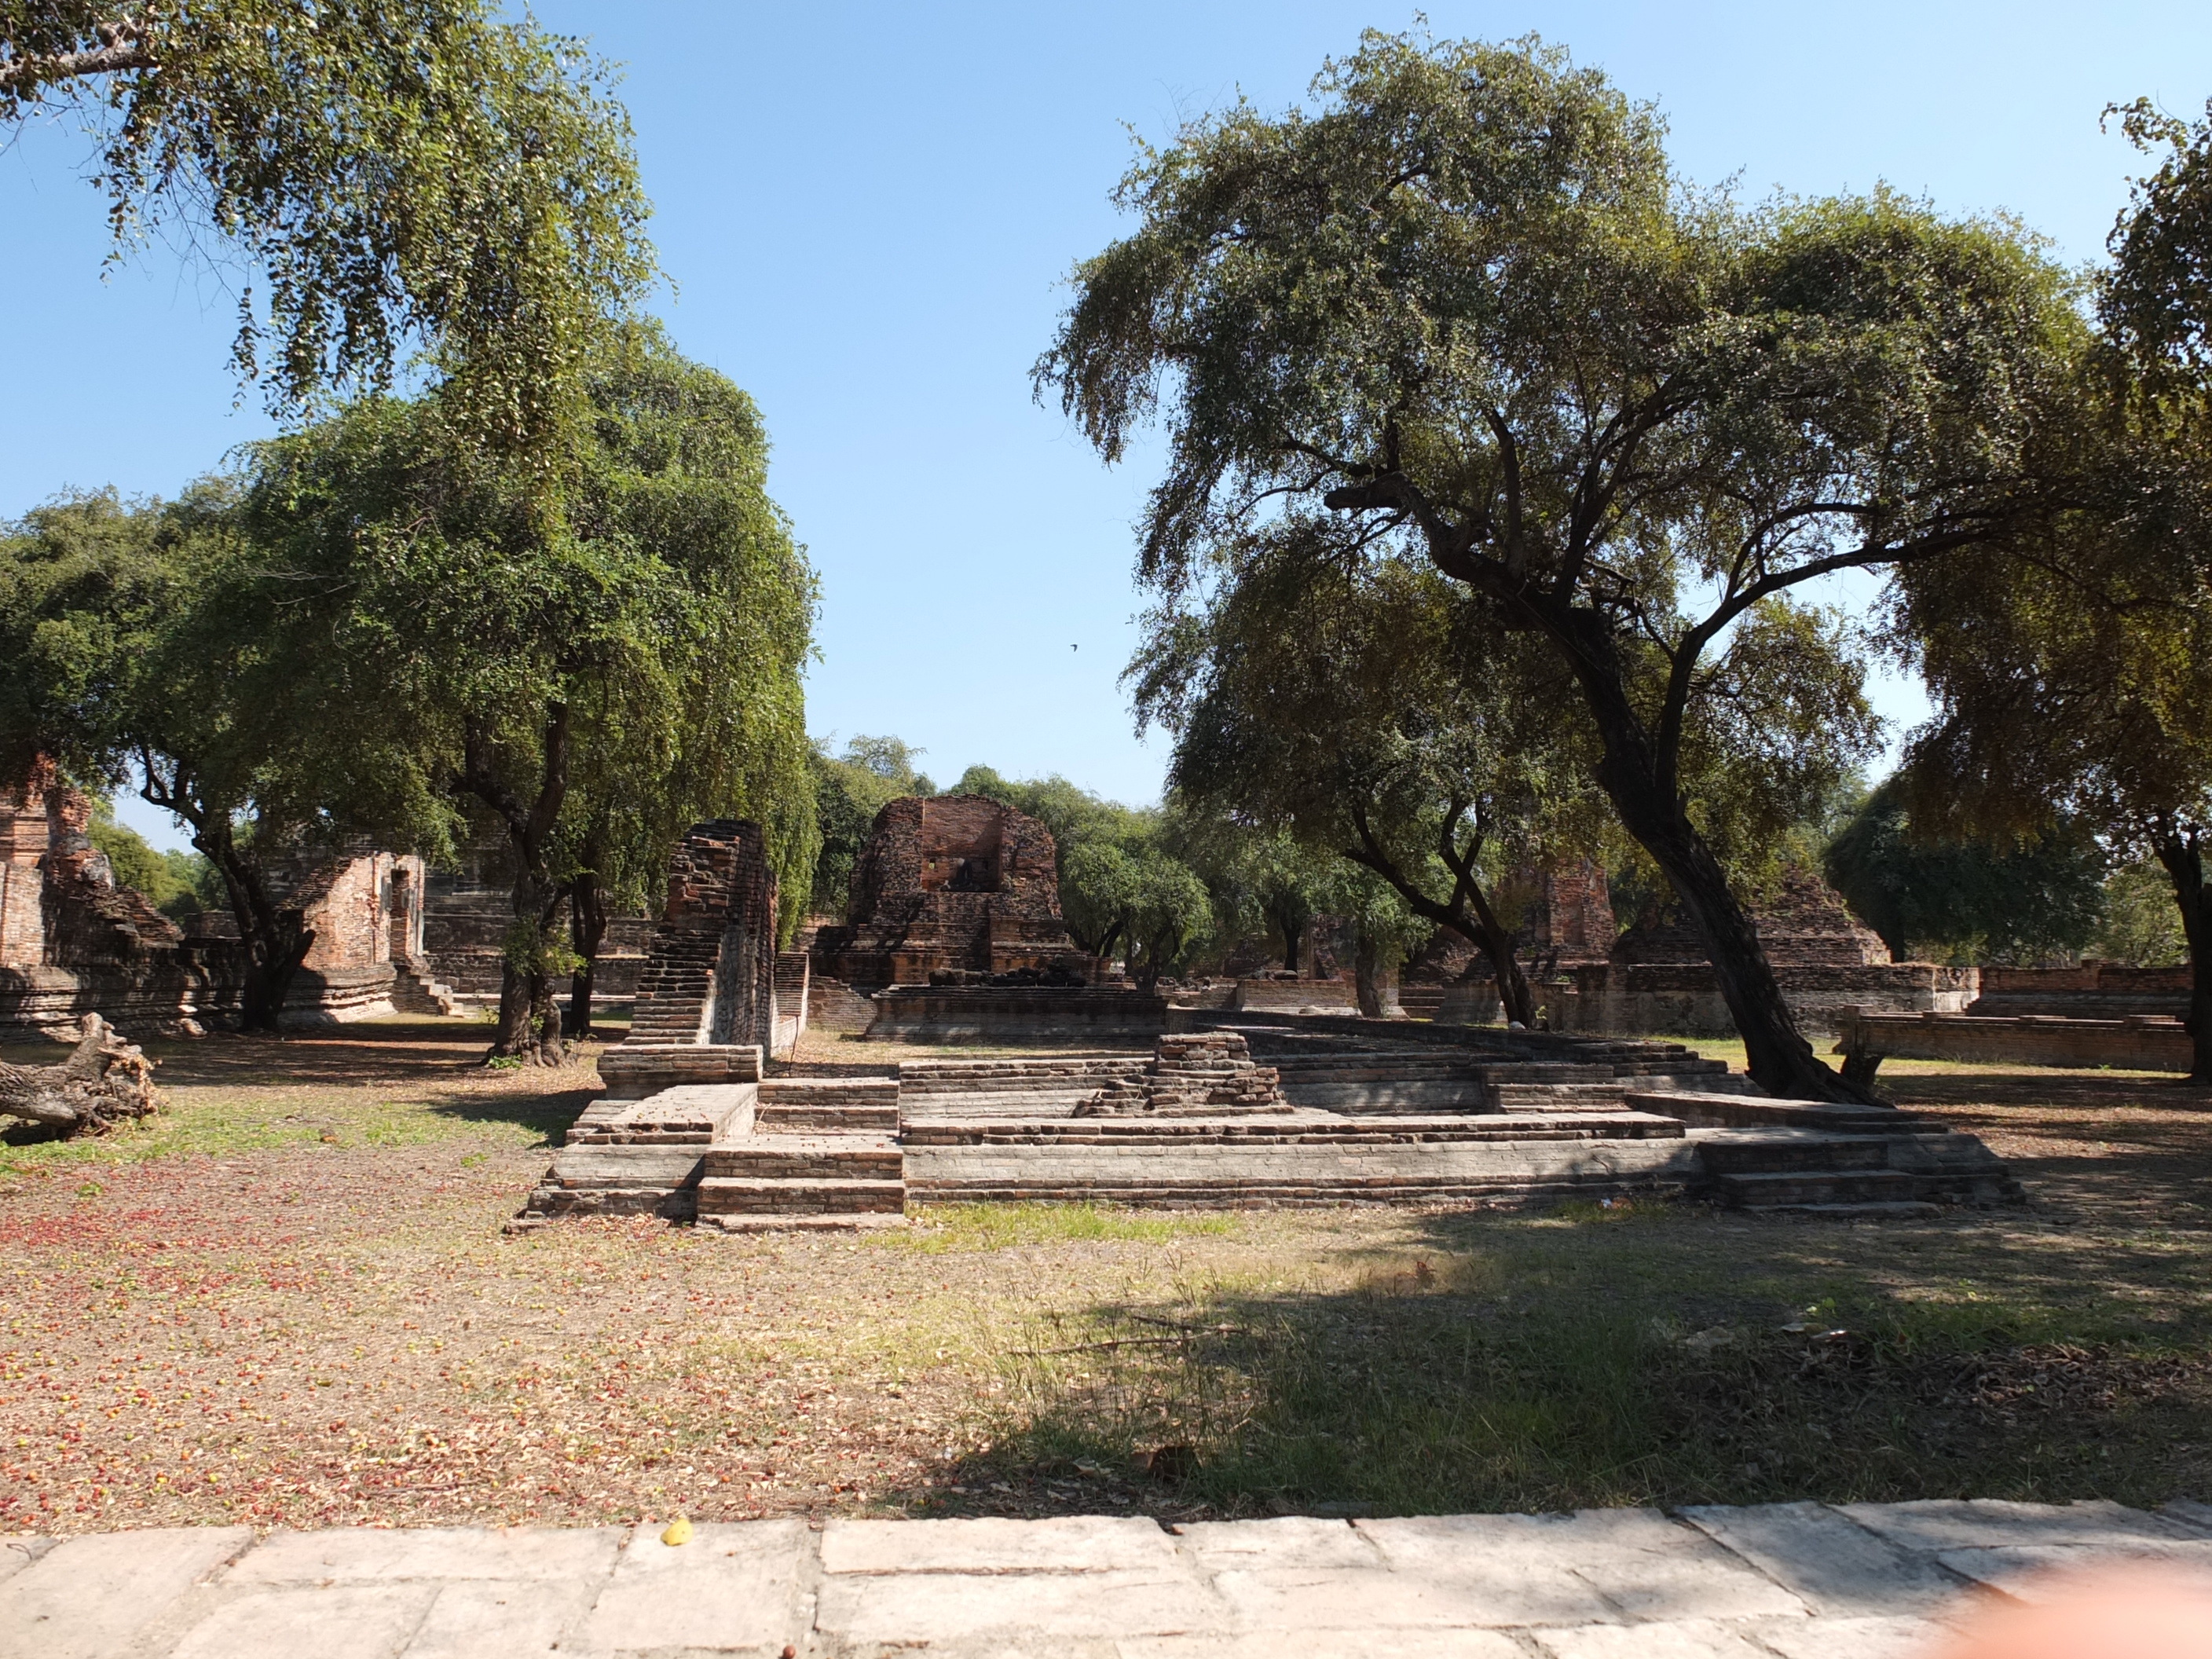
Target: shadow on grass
547,1116
1507,1363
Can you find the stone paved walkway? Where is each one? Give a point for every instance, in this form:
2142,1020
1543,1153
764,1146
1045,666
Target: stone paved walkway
1784,1581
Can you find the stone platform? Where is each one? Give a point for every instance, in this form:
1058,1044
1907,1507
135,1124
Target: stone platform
1320,1112
1778,1581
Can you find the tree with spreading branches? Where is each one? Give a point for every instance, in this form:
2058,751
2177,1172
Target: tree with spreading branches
389,176
1464,309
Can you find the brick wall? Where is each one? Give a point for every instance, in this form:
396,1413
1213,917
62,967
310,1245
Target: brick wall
955,882
709,972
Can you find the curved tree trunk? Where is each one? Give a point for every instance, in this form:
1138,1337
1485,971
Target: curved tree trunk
1776,1054
2183,856
1468,914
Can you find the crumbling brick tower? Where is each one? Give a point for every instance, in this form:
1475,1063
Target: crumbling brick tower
709,976
952,883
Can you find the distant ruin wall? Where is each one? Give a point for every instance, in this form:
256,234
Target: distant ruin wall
2144,1043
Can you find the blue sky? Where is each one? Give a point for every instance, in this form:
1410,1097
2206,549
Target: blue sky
869,210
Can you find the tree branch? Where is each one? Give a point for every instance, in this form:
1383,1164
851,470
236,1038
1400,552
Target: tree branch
122,49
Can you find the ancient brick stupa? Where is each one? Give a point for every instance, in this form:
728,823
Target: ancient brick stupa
1200,1074
956,889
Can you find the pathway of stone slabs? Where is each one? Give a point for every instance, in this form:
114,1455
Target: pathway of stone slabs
1779,1581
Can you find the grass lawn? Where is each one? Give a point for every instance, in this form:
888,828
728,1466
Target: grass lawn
287,1301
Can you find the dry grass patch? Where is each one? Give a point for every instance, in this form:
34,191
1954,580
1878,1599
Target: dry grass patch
289,1303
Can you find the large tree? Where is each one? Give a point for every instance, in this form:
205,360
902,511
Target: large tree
592,680
388,175
2072,664
158,639
1465,308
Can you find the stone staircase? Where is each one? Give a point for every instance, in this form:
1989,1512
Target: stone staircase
823,1152
415,990
673,988
1811,1158
803,1105
851,1179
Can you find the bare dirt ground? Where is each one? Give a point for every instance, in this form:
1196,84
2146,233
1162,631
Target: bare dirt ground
289,1302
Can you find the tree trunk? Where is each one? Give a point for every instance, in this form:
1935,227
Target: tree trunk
1776,1054
277,937
587,929
1639,777
1371,973
104,1081
1482,929
2183,856
1291,926
529,1018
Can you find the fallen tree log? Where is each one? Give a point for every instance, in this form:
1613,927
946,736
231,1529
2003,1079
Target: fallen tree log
104,1082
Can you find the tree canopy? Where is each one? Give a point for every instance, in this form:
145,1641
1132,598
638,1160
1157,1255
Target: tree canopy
391,174
2023,901
1463,309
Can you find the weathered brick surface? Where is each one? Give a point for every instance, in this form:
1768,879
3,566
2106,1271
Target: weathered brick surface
952,883
709,976
73,942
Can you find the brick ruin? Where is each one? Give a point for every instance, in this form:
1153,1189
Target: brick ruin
74,942
1193,1074
956,889
706,1001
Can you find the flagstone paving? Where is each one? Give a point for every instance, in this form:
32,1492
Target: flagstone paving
1779,1581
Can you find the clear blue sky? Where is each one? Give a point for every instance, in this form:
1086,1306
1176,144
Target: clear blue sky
869,209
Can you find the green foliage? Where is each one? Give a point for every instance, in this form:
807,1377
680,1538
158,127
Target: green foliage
1460,311
2139,926
391,172
849,793
179,884
2157,299
1964,901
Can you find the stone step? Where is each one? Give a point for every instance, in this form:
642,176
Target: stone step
1759,1112
727,1195
1308,1130
829,1091
789,1120
1755,1151
832,1222
1766,1189
1289,1194
807,1158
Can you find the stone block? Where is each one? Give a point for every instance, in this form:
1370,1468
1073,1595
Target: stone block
352,1621
371,1555
1956,1523
17,1553
1639,1564
1049,1609
1461,1593
1686,1638
474,1620
1291,1541
89,1597
1849,1638
1097,1543
731,1589
1829,1561
1395,1642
